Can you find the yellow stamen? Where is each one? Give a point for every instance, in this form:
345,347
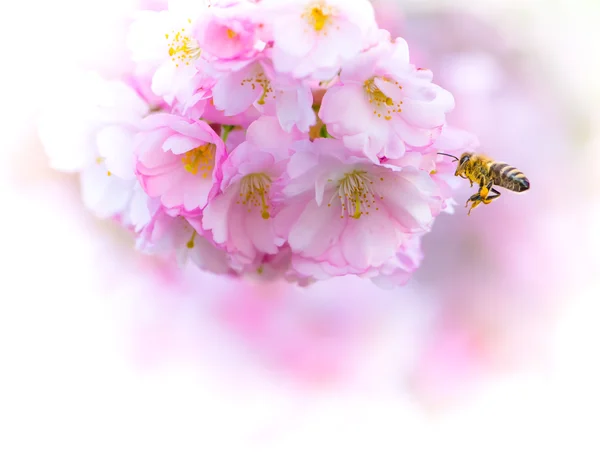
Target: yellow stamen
318,15
200,159
254,191
190,243
231,34
357,213
183,49
383,106
261,99
356,194
319,18
262,81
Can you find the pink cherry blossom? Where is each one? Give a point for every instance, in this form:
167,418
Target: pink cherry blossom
163,45
198,103
213,115
289,139
194,101
99,120
383,105
272,267
104,193
142,85
257,85
315,37
346,215
184,238
398,270
178,160
229,35
92,132
241,214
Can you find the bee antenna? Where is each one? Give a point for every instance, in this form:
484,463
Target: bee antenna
448,155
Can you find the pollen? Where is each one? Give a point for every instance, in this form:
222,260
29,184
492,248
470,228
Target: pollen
254,193
201,159
383,106
183,49
261,81
231,34
318,15
356,194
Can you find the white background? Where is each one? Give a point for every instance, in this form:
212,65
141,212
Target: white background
73,400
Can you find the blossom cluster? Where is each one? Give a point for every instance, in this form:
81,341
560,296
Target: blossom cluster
285,139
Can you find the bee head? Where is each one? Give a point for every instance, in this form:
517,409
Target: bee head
462,161
464,158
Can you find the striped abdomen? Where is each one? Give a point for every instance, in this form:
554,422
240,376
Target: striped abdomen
509,177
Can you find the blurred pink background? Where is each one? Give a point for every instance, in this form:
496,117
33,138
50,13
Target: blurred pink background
115,362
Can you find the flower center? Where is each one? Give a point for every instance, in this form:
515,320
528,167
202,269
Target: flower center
231,34
317,15
183,49
200,159
382,104
259,80
254,191
355,191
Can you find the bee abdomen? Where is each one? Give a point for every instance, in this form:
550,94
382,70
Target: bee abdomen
509,177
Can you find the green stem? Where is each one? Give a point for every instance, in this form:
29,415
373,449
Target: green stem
324,133
225,130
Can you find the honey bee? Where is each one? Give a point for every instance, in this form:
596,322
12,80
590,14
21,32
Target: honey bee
487,173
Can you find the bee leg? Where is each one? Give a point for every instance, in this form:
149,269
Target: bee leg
488,199
474,200
483,193
485,190
474,205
